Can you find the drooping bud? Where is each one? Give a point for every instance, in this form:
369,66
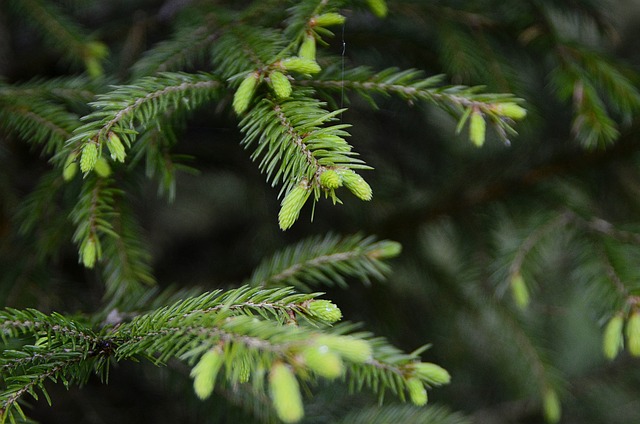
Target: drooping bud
114,144
308,47
292,204
89,253
301,65
519,291
244,93
378,7
477,128
350,348
70,168
330,179
329,19
285,393
325,310
633,334
551,406
417,392
89,157
511,110
432,373
102,168
205,372
280,84
356,184
322,361
612,341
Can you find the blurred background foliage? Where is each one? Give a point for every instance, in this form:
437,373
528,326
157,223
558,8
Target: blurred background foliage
557,206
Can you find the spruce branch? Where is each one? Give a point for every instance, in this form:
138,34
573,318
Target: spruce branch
245,334
293,145
459,101
60,30
76,90
36,120
246,48
326,260
122,113
92,217
126,267
188,46
154,147
405,414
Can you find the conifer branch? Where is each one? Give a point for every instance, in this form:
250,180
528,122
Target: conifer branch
459,101
245,48
221,327
127,107
36,121
384,414
188,46
59,30
326,260
297,146
75,90
126,261
92,218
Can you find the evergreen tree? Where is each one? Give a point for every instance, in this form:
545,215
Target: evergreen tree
131,219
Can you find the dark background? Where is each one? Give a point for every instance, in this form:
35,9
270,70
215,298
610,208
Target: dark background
453,207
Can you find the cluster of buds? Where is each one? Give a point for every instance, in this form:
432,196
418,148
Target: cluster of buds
277,73
331,179
91,158
324,356
615,332
478,124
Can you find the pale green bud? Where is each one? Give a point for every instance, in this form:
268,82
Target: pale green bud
386,249
244,93
432,373
308,48
356,184
330,179
328,19
244,371
116,148
205,372
612,341
97,49
551,406
325,310
477,128
89,253
102,168
378,7
94,67
417,392
280,84
301,65
89,157
322,361
519,291
70,168
350,348
292,204
285,393
511,110
633,334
